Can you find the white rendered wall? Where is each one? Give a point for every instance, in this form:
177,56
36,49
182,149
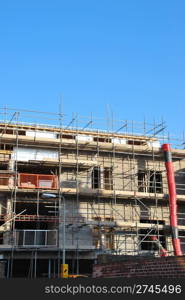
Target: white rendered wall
26,154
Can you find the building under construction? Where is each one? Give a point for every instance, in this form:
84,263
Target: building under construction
70,192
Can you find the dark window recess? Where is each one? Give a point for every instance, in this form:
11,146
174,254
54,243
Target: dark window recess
97,218
96,233
182,240
20,132
6,131
9,131
155,182
135,142
96,237
142,182
144,213
96,178
9,147
67,136
31,225
3,167
102,140
33,169
6,147
1,238
108,180
149,245
160,222
111,219
180,180
181,214
150,181
31,209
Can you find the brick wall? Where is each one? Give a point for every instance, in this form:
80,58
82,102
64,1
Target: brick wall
165,267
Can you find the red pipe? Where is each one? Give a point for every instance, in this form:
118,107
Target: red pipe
172,199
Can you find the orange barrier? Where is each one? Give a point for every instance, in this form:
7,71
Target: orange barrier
37,181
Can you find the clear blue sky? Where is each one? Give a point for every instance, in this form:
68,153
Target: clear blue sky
125,56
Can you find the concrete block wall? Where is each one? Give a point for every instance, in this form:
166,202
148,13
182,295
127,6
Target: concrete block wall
83,236
160,212
124,169
76,236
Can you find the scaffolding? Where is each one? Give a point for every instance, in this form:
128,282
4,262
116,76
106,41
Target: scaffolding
105,189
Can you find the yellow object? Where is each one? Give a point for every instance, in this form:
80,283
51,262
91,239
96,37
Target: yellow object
77,276
64,270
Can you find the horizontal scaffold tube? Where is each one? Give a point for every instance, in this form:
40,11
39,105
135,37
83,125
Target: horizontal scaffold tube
172,199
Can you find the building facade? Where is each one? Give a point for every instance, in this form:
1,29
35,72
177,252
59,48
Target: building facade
74,194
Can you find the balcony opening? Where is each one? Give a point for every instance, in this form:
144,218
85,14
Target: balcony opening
31,225
32,233
37,181
95,176
46,209
43,216
34,169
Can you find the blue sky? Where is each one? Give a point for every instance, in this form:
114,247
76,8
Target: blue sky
100,56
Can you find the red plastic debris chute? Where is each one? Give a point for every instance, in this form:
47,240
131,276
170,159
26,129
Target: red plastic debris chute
172,199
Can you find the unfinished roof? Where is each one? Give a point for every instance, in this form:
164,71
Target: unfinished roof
6,128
